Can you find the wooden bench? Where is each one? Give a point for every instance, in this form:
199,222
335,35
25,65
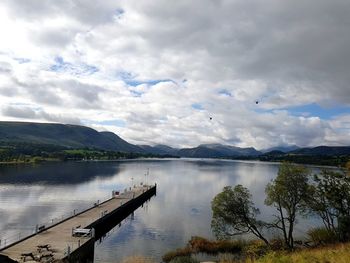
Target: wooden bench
25,255
41,247
81,232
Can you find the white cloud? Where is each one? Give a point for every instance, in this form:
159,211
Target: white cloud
100,61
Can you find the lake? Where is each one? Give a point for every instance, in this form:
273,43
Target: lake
185,187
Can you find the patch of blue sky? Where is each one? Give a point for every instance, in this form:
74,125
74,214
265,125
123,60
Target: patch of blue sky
29,105
134,82
125,75
131,79
260,110
22,60
225,92
79,69
197,106
136,93
118,13
316,110
114,122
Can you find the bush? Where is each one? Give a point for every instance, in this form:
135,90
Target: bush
255,249
137,259
277,244
181,252
344,228
186,259
321,236
200,244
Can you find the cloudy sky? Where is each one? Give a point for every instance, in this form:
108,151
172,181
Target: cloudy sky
156,71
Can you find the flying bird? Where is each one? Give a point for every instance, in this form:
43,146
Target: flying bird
210,118
256,102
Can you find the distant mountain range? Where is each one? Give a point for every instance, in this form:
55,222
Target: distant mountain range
217,151
69,136
284,149
75,137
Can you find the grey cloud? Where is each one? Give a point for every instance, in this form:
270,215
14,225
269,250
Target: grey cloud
292,42
55,37
82,94
43,93
58,118
87,12
38,91
8,91
5,68
26,112
19,112
283,53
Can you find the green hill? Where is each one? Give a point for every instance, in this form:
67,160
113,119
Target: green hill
68,136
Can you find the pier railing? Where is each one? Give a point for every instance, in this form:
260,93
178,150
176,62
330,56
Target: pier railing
11,239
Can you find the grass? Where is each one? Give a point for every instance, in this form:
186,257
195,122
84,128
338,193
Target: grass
202,245
257,251
138,259
339,253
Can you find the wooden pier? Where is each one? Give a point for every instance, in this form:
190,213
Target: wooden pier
74,237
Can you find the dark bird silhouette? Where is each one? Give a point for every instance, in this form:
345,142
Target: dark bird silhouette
256,102
210,118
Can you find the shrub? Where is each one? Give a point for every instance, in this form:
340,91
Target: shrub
200,244
321,236
182,259
181,252
255,249
277,244
137,259
344,228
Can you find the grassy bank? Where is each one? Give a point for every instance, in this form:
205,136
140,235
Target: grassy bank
339,253
258,252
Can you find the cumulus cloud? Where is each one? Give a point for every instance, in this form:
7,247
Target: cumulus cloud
163,68
26,113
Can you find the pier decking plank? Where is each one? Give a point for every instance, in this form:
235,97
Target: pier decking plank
59,237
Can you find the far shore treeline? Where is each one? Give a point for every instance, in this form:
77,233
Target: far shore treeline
23,142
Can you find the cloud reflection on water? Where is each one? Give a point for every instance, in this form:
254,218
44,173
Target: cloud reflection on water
180,210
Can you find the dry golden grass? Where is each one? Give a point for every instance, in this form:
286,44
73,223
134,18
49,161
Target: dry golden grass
138,259
332,254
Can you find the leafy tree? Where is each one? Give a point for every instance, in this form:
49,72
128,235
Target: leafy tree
234,213
288,193
330,199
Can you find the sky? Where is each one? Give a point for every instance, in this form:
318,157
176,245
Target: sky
181,73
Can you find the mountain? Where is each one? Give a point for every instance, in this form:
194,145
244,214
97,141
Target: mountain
217,150
123,146
75,137
323,150
70,136
284,149
274,153
160,149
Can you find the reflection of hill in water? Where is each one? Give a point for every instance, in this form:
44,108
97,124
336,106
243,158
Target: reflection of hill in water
57,173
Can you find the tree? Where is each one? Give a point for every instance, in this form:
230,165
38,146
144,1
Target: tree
288,193
234,213
330,199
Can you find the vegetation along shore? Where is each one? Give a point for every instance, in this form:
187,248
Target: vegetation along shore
294,192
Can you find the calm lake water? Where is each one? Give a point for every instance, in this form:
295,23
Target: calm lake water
44,193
